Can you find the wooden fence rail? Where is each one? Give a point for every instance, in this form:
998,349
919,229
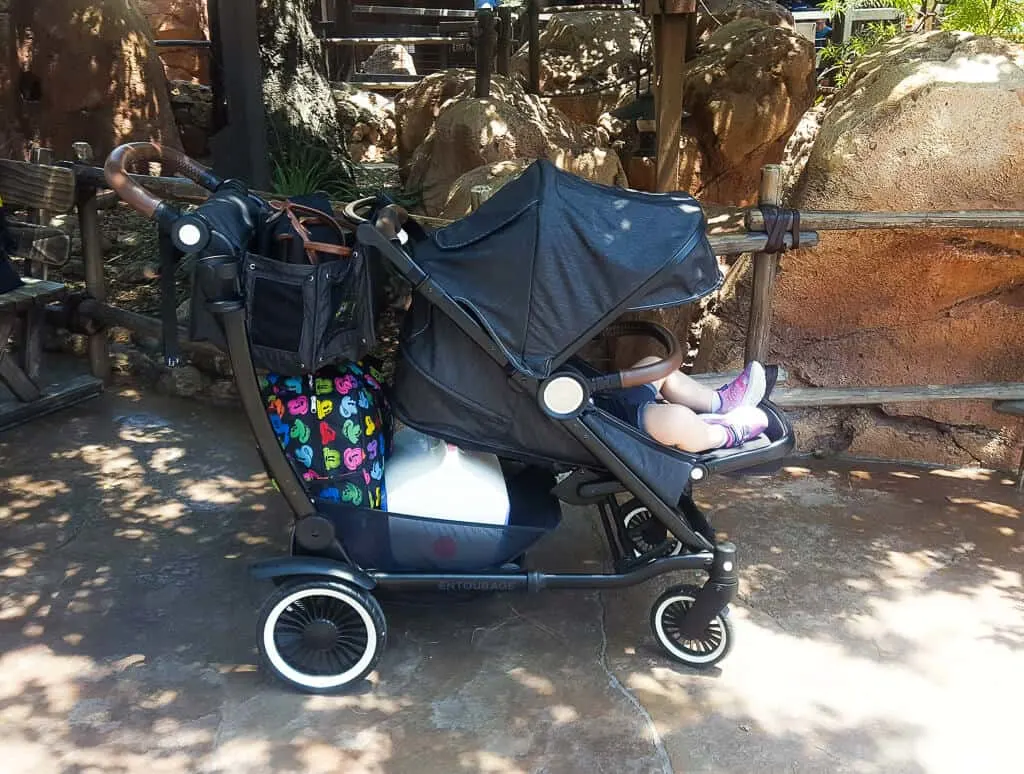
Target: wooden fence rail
732,231
817,220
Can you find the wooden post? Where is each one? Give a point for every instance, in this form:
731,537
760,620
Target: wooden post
484,51
533,45
670,33
92,254
504,54
240,147
759,325
691,36
478,194
343,56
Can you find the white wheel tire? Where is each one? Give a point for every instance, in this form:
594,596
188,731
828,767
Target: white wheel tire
697,660
632,516
373,620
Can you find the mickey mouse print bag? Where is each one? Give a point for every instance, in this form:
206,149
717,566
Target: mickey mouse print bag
333,426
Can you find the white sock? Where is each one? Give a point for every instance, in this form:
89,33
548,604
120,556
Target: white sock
716,402
722,432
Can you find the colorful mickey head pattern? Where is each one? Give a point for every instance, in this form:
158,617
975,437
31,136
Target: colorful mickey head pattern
330,426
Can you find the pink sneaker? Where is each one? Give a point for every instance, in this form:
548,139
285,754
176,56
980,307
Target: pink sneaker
747,389
741,425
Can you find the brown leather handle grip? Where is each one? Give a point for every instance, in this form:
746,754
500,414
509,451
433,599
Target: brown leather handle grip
116,172
673,361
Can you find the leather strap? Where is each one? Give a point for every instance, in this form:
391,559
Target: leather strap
298,215
777,221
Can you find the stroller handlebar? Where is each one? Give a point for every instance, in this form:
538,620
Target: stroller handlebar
115,170
672,362
225,222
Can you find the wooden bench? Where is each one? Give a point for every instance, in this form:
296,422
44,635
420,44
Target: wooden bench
27,389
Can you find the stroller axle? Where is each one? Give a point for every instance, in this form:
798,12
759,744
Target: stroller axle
540,581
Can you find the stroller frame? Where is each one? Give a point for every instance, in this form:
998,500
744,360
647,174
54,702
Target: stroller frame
322,593
317,556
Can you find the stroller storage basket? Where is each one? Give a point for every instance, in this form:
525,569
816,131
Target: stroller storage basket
302,317
393,542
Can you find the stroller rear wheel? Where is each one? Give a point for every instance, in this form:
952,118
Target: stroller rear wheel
644,531
319,636
666,618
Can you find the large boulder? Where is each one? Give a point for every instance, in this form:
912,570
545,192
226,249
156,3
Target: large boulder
180,20
444,132
390,59
712,14
933,122
745,94
473,132
493,176
417,108
369,121
587,51
79,79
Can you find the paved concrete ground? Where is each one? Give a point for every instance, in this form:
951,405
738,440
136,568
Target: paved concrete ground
881,628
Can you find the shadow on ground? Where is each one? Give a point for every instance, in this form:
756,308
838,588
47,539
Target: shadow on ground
880,629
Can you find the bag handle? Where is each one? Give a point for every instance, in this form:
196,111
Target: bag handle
297,214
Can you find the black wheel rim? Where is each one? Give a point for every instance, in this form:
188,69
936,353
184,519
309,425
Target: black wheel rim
321,635
645,532
672,621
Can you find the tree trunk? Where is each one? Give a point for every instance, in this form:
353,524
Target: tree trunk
301,111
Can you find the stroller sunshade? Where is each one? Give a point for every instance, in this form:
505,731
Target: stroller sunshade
551,259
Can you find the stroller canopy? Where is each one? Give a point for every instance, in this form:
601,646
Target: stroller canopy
551,259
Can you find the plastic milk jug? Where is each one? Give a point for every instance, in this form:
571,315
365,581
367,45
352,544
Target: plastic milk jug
433,479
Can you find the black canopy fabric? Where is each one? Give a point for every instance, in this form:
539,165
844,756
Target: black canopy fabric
448,387
551,259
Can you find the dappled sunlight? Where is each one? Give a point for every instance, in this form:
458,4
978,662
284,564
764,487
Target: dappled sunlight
979,69
997,509
813,693
878,626
489,763
963,474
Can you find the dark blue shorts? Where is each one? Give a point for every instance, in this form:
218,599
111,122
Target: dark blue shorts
627,403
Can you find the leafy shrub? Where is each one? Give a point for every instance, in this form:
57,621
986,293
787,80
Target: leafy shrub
1000,18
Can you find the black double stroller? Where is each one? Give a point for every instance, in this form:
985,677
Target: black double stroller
503,302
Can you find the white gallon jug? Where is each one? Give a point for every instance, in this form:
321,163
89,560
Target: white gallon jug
430,478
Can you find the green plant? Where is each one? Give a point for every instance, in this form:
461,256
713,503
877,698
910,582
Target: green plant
1004,18
302,167
909,7
838,59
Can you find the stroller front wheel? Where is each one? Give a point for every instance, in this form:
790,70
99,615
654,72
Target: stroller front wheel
667,615
319,636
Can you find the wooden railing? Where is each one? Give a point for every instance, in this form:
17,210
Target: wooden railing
732,231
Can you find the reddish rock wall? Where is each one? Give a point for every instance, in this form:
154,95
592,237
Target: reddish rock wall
84,70
180,20
934,122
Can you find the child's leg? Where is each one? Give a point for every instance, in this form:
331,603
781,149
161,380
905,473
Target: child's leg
679,388
678,426
746,390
